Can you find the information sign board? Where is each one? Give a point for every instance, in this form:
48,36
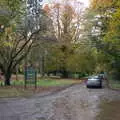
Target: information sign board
30,76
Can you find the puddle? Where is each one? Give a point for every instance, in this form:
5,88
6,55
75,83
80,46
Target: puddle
109,111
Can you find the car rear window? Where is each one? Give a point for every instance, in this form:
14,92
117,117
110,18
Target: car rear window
92,79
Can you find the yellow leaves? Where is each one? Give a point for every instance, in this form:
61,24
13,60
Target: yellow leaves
95,4
8,38
114,26
8,44
112,37
8,30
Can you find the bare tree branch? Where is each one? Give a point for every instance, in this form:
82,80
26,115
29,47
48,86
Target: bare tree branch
22,56
24,45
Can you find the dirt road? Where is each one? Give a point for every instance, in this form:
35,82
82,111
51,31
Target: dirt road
74,103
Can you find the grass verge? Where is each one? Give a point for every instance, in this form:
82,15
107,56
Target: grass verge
114,84
44,85
48,82
109,111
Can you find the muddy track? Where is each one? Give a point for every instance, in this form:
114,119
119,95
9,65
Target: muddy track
74,103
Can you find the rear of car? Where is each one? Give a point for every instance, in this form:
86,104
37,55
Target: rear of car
94,81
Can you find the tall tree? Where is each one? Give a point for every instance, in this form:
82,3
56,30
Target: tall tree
18,35
104,32
67,55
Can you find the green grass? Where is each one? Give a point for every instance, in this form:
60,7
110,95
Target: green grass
47,82
115,84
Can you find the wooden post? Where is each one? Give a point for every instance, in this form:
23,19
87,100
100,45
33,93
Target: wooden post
35,79
25,76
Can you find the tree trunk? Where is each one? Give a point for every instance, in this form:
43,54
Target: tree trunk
7,79
16,73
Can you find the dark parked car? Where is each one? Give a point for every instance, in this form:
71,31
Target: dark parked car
94,81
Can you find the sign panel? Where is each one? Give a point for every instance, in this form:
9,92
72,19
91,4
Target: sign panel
30,76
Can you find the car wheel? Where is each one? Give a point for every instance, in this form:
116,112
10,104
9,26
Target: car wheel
100,86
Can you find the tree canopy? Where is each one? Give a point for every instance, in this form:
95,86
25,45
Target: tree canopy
19,34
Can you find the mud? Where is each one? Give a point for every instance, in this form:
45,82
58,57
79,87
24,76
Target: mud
74,103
